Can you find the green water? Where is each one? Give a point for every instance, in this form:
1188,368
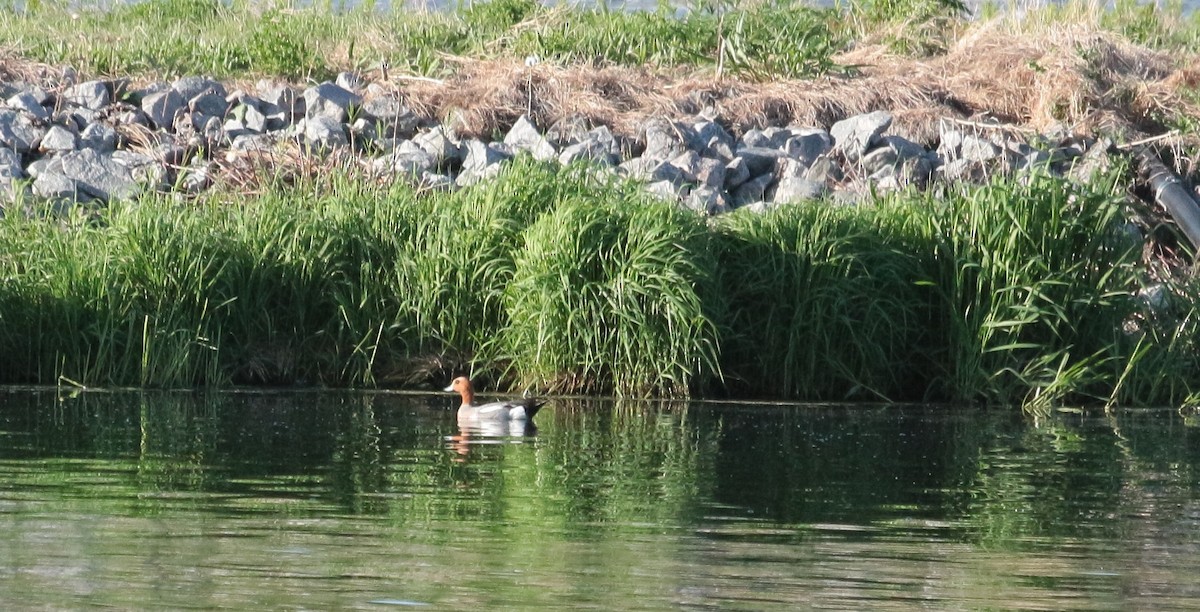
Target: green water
347,501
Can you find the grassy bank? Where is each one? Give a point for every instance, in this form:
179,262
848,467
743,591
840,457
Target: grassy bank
1007,293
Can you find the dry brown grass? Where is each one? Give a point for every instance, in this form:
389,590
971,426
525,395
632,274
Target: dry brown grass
1077,76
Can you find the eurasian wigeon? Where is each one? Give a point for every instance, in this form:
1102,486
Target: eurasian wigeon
515,410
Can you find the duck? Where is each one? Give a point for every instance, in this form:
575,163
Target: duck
511,411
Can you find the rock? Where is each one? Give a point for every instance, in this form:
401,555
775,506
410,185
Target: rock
197,177
878,159
753,190
706,200
736,173
598,146
209,104
700,170
666,190
253,142
332,101
524,137
93,95
808,145
98,136
251,117
964,170
189,87
324,132
348,81
856,135
56,186
482,161
769,138
392,119
976,149
665,139
144,169
710,134
759,160
29,103
439,145
10,164
1095,160
58,139
408,161
797,189
436,182
94,174
281,96
824,171
162,108
18,132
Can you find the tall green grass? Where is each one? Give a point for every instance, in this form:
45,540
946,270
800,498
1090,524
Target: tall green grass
1018,292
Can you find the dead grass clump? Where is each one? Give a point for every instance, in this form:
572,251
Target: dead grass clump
1076,76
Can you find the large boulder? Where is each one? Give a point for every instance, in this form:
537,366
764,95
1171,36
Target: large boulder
858,134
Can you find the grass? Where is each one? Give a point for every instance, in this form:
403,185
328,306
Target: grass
169,38
1013,293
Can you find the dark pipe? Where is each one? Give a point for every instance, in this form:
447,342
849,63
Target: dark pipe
1170,192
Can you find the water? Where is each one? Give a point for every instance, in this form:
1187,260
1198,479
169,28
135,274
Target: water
357,501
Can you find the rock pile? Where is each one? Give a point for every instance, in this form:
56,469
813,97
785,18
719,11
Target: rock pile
100,140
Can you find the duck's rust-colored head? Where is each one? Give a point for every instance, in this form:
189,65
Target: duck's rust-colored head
462,386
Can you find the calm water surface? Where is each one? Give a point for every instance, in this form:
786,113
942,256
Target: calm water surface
358,501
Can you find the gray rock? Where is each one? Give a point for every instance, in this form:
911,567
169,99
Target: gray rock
1094,161
707,200
93,95
797,189
709,134
209,104
666,139
99,175
54,185
524,137
760,160
197,177
753,190
250,116
769,138
213,129
824,171
233,128
324,132
59,139
162,108
10,164
808,145
736,173
482,161
598,146
436,182
29,103
700,170
880,158
283,97
439,144
964,170
98,136
666,190
18,132
348,81
392,119
978,149
253,142
856,135
144,169
332,101
35,167
133,117
189,87
413,162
